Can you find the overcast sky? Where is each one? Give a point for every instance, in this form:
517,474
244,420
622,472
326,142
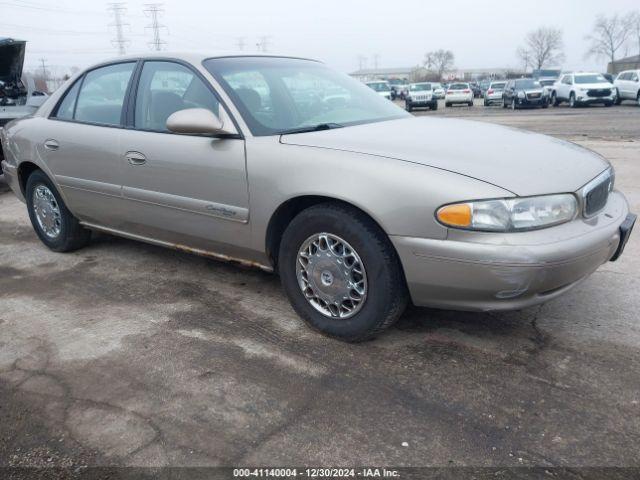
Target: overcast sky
480,33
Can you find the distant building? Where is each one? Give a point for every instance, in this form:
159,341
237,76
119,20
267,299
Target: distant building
629,63
401,73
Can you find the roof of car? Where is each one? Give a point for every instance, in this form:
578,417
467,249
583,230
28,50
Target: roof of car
197,57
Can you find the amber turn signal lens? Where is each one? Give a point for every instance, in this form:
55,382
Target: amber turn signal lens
458,215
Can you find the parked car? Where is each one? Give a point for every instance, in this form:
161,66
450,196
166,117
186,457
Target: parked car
475,88
610,78
403,91
360,207
421,96
627,86
583,89
438,90
18,97
381,87
457,93
484,86
493,94
524,92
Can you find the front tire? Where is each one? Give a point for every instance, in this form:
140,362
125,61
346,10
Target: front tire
572,100
341,272
513,104
52,221
408,107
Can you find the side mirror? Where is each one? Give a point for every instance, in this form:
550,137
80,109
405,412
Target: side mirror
197,121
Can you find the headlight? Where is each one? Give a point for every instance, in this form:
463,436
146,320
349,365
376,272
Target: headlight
520,94
511,214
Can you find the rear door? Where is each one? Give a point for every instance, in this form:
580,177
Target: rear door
81,143
182,189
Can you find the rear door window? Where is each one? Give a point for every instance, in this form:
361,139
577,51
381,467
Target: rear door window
102,94
67,106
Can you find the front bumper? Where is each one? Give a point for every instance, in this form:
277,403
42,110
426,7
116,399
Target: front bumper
532,102
586,100
488,271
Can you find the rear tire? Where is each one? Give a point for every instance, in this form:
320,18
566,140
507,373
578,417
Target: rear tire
470,104
57,228
447,104
385,292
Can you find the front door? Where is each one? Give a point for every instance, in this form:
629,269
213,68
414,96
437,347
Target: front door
188,190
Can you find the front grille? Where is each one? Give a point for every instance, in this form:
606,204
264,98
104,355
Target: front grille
534,95
596,193
599,92
4,121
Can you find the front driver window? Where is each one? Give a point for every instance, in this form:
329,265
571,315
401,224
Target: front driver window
165,88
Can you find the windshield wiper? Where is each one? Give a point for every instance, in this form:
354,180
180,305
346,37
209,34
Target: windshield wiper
311,128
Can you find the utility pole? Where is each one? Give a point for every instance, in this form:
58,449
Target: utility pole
155,11
240,43
263,43
44,68
362,62
117,10
376,57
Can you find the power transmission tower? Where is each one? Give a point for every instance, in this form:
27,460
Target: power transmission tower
118,10
155,11
362,62
263,43
240,43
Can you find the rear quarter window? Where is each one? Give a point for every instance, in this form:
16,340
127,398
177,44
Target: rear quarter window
67,106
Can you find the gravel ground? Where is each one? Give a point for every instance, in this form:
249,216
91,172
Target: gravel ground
130,354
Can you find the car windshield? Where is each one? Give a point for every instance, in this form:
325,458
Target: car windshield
284,95
420,87
379,86
458,86
498,86
435,86
527,83
595,78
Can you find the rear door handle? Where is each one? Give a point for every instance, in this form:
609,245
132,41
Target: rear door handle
135,158
51,144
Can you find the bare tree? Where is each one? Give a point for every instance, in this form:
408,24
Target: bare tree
524,56
607,36
542,47
439,60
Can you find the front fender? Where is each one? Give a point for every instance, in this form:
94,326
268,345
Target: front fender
400,196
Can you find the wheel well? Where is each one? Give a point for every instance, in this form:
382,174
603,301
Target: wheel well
286,212
24,170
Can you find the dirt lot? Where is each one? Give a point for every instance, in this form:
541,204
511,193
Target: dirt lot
130,354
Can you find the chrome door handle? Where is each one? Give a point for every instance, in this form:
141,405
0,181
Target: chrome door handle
135,158
51,144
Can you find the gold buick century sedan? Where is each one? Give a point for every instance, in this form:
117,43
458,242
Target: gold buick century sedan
287,165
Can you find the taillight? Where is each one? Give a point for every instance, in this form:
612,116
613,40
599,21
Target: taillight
489,91
466,91
449,91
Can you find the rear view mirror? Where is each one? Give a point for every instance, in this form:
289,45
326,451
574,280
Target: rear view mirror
197,121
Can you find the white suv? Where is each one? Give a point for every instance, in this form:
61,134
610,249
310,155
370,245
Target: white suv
627,86
583,88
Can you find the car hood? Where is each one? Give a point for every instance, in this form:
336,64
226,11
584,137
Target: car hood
11,59
522,162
